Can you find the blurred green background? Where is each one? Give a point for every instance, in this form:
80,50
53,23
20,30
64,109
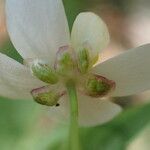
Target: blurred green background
26,125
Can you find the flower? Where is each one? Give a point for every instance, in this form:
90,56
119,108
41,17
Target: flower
39,31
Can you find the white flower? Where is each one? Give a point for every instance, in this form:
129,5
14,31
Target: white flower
38,28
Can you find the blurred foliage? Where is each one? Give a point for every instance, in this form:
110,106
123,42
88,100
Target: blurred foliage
116,134
22,126
20,129
15,118
74,7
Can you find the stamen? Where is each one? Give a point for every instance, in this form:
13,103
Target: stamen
46,96
64,63
44,72
83,60
98,86
86,58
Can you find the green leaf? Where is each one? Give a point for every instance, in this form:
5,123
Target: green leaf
8,49
73,8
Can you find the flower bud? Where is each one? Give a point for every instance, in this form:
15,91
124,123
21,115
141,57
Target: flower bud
46,96
44,72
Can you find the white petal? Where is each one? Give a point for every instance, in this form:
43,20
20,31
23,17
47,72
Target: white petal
37,27
92,111
16,81
130,71
89,28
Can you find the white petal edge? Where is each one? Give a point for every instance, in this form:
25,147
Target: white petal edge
16,81
89,29
130,70
37,28
92,111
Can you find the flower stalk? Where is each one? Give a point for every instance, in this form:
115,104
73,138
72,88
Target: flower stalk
74,130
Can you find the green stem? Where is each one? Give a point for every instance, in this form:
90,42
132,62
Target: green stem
74,132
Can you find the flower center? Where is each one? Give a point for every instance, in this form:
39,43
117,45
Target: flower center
69,66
